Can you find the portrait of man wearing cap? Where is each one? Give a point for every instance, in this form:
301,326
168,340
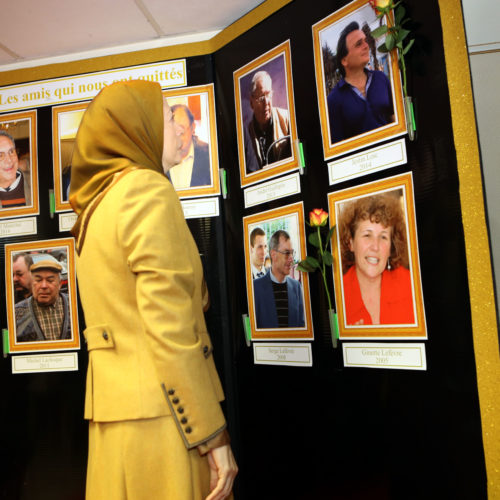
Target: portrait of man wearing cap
45,314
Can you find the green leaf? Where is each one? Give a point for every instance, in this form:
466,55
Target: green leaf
327,258
381,30
314,239
390,41
382,48
304,267
399,14
312,262
402,34
408,47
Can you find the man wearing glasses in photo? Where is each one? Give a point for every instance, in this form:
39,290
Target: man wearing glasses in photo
14,189
278,298
267,135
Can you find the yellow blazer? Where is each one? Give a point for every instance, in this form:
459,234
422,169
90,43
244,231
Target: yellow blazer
140,276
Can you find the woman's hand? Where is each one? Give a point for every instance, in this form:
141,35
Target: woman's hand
223,470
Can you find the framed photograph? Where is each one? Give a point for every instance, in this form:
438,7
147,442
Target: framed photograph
265,116
278,293
360,96
65,122
376,272
41,296
198,172
18,165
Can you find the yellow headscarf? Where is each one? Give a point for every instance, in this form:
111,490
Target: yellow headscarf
121,128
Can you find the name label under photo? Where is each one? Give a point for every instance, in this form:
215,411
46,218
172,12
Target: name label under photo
67,221
299,354
35,363
17,227
201,207
272,190
367,162
409,356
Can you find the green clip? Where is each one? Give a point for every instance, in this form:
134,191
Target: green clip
413,123
334,326
52,203
248,330
223,182
5,338
301,156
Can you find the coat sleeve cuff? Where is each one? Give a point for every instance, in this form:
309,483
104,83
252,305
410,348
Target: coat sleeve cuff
220,439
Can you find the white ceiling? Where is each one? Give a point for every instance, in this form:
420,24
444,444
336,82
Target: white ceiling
36,32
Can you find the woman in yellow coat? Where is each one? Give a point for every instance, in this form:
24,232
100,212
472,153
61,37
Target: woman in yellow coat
153,395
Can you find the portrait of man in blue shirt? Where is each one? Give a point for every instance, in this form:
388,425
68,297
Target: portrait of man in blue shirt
278,297
362,99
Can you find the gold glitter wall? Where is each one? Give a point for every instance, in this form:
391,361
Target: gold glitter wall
482,299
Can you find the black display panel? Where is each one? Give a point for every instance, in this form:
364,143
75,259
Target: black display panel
331,432
324,432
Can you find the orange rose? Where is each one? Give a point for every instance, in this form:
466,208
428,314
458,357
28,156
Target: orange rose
317,217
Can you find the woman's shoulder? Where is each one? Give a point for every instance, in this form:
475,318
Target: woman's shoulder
398,279
350,274
142,188
136,174
401,272
143,181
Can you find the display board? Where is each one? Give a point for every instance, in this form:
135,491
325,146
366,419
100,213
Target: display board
360,432
311,415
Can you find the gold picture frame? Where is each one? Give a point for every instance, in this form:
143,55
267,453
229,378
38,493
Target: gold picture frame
277,64
65,122
202,176
25,332
401,308
337,140
22,127
261,304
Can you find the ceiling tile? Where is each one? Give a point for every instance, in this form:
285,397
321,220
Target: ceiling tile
47,28
198,15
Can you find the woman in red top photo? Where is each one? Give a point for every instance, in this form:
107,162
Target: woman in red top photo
376,277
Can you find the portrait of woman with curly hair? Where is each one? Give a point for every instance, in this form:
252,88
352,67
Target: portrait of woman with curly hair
375,265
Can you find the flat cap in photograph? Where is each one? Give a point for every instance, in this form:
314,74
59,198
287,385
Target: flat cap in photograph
46,264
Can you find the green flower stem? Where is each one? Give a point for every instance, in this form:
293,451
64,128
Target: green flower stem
403,68
392,28
323,271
